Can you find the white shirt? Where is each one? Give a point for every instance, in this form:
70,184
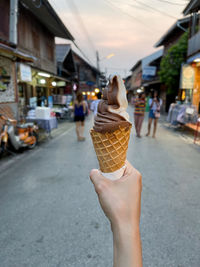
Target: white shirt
155,106
94,106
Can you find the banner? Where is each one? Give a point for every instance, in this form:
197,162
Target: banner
187,77
25,73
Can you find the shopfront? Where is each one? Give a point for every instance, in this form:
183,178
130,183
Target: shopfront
186,110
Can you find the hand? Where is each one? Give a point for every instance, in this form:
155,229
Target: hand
120,199
121,203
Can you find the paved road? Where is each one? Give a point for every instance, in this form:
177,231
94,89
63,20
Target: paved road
50,217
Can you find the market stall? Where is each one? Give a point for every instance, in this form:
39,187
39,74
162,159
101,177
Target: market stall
44,117
182,114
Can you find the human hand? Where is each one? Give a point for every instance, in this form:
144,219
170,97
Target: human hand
120,199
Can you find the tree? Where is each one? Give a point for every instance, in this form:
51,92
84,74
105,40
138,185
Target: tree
170,66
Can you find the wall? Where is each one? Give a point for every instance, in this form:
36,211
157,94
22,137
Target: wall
9,94
136,78
85,72
173,39
36,40
4,19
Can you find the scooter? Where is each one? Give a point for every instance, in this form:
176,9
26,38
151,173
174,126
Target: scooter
27,135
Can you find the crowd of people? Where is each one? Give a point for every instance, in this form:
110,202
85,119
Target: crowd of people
154,104
81,110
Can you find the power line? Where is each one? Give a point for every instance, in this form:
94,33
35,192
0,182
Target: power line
171,3
81,23
129,15
75,43
154,9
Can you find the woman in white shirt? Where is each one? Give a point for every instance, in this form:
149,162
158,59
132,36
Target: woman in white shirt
154,113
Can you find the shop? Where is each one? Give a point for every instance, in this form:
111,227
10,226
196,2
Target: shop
185,110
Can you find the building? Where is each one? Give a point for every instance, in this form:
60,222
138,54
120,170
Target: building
82,73
27,51
174,33
87,76
66,68
145,75
193,53
170,38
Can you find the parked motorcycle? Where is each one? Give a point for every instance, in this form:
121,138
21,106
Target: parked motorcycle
21,136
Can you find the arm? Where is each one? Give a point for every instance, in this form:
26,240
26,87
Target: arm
84,107
151,101
121,202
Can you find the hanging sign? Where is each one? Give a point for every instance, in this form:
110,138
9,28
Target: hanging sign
148,72
25,73
187,77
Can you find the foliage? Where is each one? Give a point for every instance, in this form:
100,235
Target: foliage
170,66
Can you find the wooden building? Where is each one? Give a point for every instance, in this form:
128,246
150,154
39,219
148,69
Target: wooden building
27,34
193,53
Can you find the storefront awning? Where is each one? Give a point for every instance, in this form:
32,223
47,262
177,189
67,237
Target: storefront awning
12,52
192,58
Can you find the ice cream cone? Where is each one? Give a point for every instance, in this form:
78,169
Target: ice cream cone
111,148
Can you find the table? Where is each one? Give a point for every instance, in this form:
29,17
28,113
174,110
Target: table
46,124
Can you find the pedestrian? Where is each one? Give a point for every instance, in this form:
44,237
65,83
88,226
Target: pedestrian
139,113
154,104
79,115
94,104
116,200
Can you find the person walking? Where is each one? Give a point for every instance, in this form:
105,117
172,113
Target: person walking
95,103
154,104
79,115
139,113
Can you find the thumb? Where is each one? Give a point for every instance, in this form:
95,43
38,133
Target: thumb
99,181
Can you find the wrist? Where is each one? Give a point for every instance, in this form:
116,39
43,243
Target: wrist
123,230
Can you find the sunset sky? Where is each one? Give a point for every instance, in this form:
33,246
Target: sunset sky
127,28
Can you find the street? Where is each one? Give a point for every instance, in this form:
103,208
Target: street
50,215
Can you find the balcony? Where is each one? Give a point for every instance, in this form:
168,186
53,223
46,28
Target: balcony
194,44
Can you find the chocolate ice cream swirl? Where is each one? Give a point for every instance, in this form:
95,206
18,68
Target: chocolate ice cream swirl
106,121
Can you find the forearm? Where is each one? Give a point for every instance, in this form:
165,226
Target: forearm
127,247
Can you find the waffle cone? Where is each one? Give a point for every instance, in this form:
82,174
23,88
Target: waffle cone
111,148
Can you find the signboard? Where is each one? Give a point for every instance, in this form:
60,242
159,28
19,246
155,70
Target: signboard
187,77
25,73
148,72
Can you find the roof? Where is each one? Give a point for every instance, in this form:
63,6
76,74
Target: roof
138,63
183,22
48,17
193,6
62,51
64,55
88,64
148,59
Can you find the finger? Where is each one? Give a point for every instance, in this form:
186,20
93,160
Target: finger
98,180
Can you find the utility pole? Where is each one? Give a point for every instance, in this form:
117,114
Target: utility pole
13,21
98,68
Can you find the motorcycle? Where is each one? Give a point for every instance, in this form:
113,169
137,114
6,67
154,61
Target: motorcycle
21,136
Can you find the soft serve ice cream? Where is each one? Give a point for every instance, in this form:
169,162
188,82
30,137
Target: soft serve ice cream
111,130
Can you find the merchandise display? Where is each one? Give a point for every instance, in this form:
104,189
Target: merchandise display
182,114
42,113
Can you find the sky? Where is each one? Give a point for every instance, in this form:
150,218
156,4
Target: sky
128,29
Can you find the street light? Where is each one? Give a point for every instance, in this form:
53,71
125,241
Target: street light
98,65
96,90
98,59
